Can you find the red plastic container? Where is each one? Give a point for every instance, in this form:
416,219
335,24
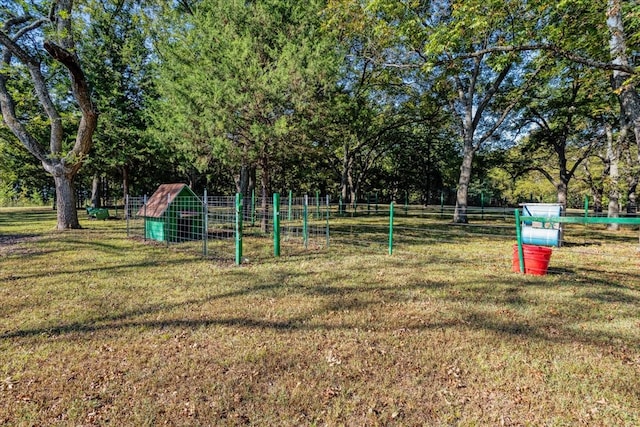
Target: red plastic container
536,259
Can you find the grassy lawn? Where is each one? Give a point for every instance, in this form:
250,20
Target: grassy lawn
98,329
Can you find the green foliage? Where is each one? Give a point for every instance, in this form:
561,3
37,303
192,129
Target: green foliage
237,81
295,87
22,179
118,64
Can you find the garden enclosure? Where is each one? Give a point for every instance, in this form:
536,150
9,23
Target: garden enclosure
232,228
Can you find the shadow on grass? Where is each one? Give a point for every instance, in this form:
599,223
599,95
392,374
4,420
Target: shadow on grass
487,307
120,267
26,216
481,304
609,296
16,238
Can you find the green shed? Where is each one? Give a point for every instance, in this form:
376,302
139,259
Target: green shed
173,213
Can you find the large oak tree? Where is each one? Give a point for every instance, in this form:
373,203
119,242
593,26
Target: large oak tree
39,43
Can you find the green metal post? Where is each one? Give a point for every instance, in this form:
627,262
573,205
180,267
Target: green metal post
305,225
167,222
276,224
145,217
391,229
327,220
238,228
376,200
519,238
586,206
205,224
290,205
253,207
318,205
482,204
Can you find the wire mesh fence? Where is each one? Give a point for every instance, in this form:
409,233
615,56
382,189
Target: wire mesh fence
305,222
235,228
217,225
184,221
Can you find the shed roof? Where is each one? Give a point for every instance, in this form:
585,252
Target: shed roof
161,199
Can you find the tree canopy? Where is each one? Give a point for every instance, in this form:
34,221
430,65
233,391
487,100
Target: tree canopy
404,98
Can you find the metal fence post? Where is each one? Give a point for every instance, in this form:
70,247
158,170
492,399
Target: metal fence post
205,224
276,224
167,225
238,228
519,238
391,229
144,200
305,221
290,205
327,220
586,206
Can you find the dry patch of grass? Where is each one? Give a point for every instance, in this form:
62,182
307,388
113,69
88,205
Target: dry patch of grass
97,329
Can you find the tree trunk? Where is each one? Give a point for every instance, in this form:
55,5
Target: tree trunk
460,213
265,183
252,180
632,205
614,191
66,202
628,95
344,180
125,181
561,189
125,188
242,180
353,191
95,191
596,194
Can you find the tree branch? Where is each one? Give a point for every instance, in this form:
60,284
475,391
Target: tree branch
40,88
495,85
28,28
16,50
536,169
9,116
78,79
556,50
16,21
507,110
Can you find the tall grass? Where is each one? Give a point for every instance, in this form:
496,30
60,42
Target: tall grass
98,329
